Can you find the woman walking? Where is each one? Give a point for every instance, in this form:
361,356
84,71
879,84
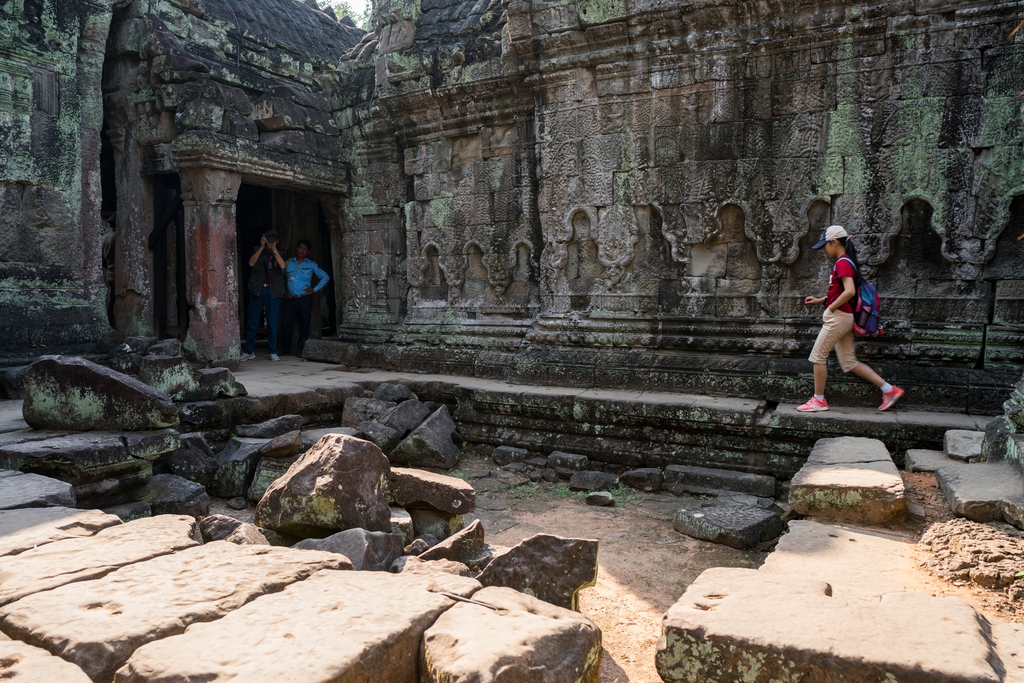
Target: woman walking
837,328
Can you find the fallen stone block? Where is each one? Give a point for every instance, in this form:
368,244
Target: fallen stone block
311,436
733,524
177,377
311,612
236,467
691,479
20,490
126,512
419,488
99,624
194,460
283,446
744,499
401,524
383,436
11,382
503,455
793,629
22,663
963,444
168,347
849,479
984,491
268,470
169,494
648,479
78,395
395,393
152,445
24,529
600,499
471,642
224,528
573,462
405,417
358,410
432,522
336,485
270,428
140,345
590,480
366,550
551,568
79,559
220,382
410,563
430,444
417,547
465,546
922,460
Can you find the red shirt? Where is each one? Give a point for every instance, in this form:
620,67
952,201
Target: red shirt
842,268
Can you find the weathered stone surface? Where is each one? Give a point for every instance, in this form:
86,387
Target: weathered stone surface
169,494
401,524
312,612
503,455
366,550
984,491
732,524
465,546
962,550
223,528
924,460
600,499
177,377
548,567
283,446
430,444
19,490
963,445
568,461
591,480
849,479
23,663
680,478
270,428
155,445
236,467
24,529
396,393
336,485
194,460
410,488
79,559
311,436
168,347
383,436
127,512
76,394
438,524
413,564
405,417
99,624
648,479
359,410
529,641
268,470
791,626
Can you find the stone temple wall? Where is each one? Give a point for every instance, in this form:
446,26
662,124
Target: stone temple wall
51,287
624,194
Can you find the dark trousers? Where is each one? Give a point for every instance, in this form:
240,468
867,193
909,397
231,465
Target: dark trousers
264,303
301,306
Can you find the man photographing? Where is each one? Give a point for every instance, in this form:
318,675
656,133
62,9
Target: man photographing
266,287
299,273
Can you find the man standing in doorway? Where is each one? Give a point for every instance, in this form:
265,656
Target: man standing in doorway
299,274
266,287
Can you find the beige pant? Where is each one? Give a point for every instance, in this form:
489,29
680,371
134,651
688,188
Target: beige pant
837,333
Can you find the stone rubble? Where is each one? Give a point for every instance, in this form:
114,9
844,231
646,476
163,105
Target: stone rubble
366,550
20,490
736,525
27,528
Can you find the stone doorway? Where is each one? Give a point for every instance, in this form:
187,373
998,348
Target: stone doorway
167,243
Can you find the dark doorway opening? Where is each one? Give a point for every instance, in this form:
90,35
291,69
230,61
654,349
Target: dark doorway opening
108,205
167,242
254,215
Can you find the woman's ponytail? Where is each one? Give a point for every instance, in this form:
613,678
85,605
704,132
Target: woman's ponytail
851,251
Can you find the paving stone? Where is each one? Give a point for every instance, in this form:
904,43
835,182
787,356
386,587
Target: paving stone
270,428
568,461
336,485
19,490
736,525
503,455
169,494
471,642
358,410
79,559
648,479
78,395
963,445
923,460
849,479
401,524
366,550
551,568
690,479
297,631
405,417
794,627
600,499
383,436
194,459
590,480
430,444
99,624
983,491
408,487
126,512
396,393
26,528
22,663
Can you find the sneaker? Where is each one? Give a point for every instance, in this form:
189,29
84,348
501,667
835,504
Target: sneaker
274,356
247,356
889,399
813,406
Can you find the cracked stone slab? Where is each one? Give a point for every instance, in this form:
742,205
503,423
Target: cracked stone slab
79,559
736,525
22,663
99,624
326,629
24,529
963,444
21,490
984,491
849,479
924,460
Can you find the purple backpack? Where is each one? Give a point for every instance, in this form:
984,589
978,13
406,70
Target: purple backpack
867,312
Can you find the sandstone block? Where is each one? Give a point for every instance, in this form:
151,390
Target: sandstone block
600,499
465,546
169,494
679,478
529,641
503,455
77,395
194,459
177,377
24,529
440,525
283,446
548,567
647,479
336,485
922,460
396,393
366,550
383,436
409,487
20,490
430,444
568,461
311,436
733,524
963,444
401,524
126,512
236,466
984,491
405,417
358,410
591,480
268,470
270,428
413,564
22,663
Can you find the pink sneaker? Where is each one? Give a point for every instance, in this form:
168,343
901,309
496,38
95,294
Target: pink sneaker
889,398
813,406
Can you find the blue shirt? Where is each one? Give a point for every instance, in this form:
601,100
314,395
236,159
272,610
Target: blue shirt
300,275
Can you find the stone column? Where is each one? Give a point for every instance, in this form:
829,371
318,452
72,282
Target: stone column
211,265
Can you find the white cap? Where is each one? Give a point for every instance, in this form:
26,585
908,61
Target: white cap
834,232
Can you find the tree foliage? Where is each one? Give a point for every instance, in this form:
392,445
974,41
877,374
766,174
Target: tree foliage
343,8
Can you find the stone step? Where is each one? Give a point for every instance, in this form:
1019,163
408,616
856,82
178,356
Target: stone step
963,444
925,460
984,491
849,479
24,529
